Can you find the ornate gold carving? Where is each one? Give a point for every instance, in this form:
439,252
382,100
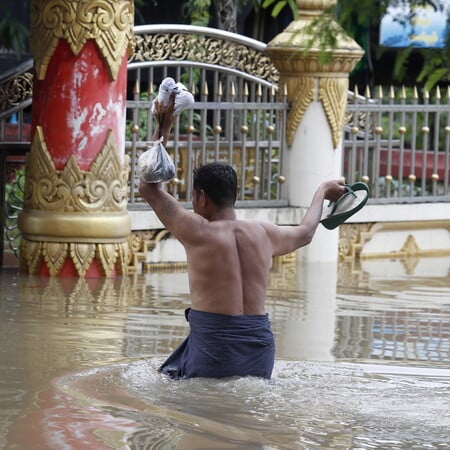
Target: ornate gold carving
208,50
107,255
33,259
102,188
16,90
301,93
108,23
410,247
55,254
333,95
82,255
88,206
352,238
140,243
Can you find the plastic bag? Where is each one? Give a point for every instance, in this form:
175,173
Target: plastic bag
183,98
155,165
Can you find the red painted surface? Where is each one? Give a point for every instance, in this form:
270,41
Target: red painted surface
421,163
418,167
76,104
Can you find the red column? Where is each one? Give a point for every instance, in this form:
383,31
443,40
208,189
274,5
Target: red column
75,221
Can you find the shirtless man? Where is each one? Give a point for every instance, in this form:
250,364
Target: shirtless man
228,261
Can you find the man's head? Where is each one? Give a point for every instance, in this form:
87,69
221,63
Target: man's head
218,181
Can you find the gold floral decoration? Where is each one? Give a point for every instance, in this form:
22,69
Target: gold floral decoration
109,256
102,188
108,23
352,238
301,91
333,96
207,50
16,90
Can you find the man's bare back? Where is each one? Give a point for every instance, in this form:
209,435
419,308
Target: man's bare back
228,259
229,269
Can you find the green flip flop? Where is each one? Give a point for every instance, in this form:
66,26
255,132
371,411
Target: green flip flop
345,206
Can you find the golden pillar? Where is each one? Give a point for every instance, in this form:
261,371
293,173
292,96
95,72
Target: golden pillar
75,220
301,59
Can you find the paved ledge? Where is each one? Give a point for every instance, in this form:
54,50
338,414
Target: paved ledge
146,219
403,213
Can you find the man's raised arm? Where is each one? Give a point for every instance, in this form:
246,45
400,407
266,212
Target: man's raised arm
286,239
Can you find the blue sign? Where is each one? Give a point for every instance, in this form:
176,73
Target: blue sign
418,26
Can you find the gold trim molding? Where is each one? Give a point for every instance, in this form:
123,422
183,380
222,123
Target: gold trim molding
303,87
54,254
333,96
108,23
352,238
204,49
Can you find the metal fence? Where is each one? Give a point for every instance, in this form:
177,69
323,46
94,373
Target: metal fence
237,117
399,144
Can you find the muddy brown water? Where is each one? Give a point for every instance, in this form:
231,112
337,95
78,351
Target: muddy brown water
363,362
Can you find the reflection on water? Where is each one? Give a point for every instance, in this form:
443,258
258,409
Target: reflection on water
363,361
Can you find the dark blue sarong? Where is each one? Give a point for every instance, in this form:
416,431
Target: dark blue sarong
220,346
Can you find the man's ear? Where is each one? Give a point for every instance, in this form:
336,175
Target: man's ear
203,198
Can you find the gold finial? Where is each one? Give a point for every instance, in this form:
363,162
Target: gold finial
259,91
367,93
415,93
246,91
205,89
380,92
438,93
220,89
426,94
391,93
136,89
233,89
403,93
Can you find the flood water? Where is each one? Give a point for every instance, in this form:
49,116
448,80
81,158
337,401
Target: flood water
363,362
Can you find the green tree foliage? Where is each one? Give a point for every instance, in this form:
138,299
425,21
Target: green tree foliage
361,19
13,34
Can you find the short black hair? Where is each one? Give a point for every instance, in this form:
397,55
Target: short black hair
218,181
